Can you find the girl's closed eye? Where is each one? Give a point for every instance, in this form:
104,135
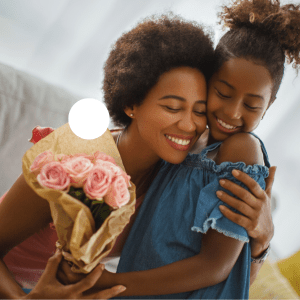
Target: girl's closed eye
252,107
221,94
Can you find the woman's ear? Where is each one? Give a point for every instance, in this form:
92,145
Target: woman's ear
129,111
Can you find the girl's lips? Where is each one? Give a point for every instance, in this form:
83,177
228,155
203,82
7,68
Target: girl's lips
226,129
177,146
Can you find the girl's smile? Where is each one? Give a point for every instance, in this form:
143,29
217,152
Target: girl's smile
239,94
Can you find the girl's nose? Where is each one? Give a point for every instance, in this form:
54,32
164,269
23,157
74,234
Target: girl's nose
234,110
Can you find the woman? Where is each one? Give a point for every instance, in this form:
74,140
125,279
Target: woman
171,43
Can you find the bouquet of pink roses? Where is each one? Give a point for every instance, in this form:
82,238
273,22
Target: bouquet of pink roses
90,195
95,180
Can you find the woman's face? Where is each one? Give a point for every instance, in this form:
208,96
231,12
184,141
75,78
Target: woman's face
172,116
238,96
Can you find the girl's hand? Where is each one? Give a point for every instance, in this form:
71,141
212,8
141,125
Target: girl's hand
49,287
255,207
66,276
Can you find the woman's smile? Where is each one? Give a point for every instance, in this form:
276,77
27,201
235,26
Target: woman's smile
172,116
179,142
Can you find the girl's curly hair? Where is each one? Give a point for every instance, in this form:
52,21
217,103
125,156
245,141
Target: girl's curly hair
140,56
263,31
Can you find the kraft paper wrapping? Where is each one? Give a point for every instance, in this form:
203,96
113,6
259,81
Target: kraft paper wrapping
73,220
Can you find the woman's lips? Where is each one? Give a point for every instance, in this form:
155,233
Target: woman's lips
224,129
179,142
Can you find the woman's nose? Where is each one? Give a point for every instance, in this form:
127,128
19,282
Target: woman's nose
186,123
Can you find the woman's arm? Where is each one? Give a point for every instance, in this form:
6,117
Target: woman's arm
212,265
22,213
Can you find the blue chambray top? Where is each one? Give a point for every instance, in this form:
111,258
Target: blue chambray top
181,205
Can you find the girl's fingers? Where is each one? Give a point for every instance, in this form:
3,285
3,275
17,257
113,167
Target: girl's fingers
253,186
270,180
90,280
239,205
240,193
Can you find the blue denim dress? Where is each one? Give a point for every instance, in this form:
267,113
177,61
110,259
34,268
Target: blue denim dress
179,207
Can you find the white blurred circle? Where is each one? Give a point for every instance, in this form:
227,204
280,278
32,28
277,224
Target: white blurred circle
88,118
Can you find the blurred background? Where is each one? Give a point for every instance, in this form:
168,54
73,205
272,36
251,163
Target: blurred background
65,43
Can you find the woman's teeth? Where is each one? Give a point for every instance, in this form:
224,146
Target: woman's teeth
178,141
226,125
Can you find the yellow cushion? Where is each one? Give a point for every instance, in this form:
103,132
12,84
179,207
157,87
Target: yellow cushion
271,284
290,268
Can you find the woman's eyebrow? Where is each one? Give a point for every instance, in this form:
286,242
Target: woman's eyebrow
249,94
180,98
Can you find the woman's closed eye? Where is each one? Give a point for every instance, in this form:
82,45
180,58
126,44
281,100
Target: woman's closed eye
178,109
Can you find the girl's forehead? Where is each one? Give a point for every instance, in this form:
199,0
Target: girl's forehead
239,74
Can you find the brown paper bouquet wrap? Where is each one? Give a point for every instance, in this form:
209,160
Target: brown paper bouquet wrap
81,243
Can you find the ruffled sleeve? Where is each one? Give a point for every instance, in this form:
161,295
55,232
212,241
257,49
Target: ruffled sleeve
208,214
40,132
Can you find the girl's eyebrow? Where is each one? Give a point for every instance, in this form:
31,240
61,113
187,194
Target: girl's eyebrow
232,87
180,99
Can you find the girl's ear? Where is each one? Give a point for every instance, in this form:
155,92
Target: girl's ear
270,103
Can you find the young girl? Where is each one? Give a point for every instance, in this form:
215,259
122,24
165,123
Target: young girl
180,230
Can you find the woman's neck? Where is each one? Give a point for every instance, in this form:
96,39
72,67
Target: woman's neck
139,161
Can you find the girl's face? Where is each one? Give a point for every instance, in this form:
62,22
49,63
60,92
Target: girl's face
238,96
172,116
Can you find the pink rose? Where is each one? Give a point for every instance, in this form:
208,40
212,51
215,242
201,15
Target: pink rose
115,169
78,168
118,194
54,176
102,156
98,182
41,160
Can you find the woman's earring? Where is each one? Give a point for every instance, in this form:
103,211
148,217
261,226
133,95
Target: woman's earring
131,115
207,126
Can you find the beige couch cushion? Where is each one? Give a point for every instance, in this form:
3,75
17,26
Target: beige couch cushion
271,284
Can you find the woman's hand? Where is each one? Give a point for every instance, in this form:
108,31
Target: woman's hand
255,207
49,287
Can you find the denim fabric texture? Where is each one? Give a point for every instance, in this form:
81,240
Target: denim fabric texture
181,205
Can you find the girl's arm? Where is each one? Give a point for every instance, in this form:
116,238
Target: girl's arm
256,209
212,265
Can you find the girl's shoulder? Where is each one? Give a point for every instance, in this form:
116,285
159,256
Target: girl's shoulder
241,147
243,151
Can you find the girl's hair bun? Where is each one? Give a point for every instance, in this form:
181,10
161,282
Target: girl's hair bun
269,17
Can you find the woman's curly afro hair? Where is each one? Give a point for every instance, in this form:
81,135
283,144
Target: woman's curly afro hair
140,56
262,31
